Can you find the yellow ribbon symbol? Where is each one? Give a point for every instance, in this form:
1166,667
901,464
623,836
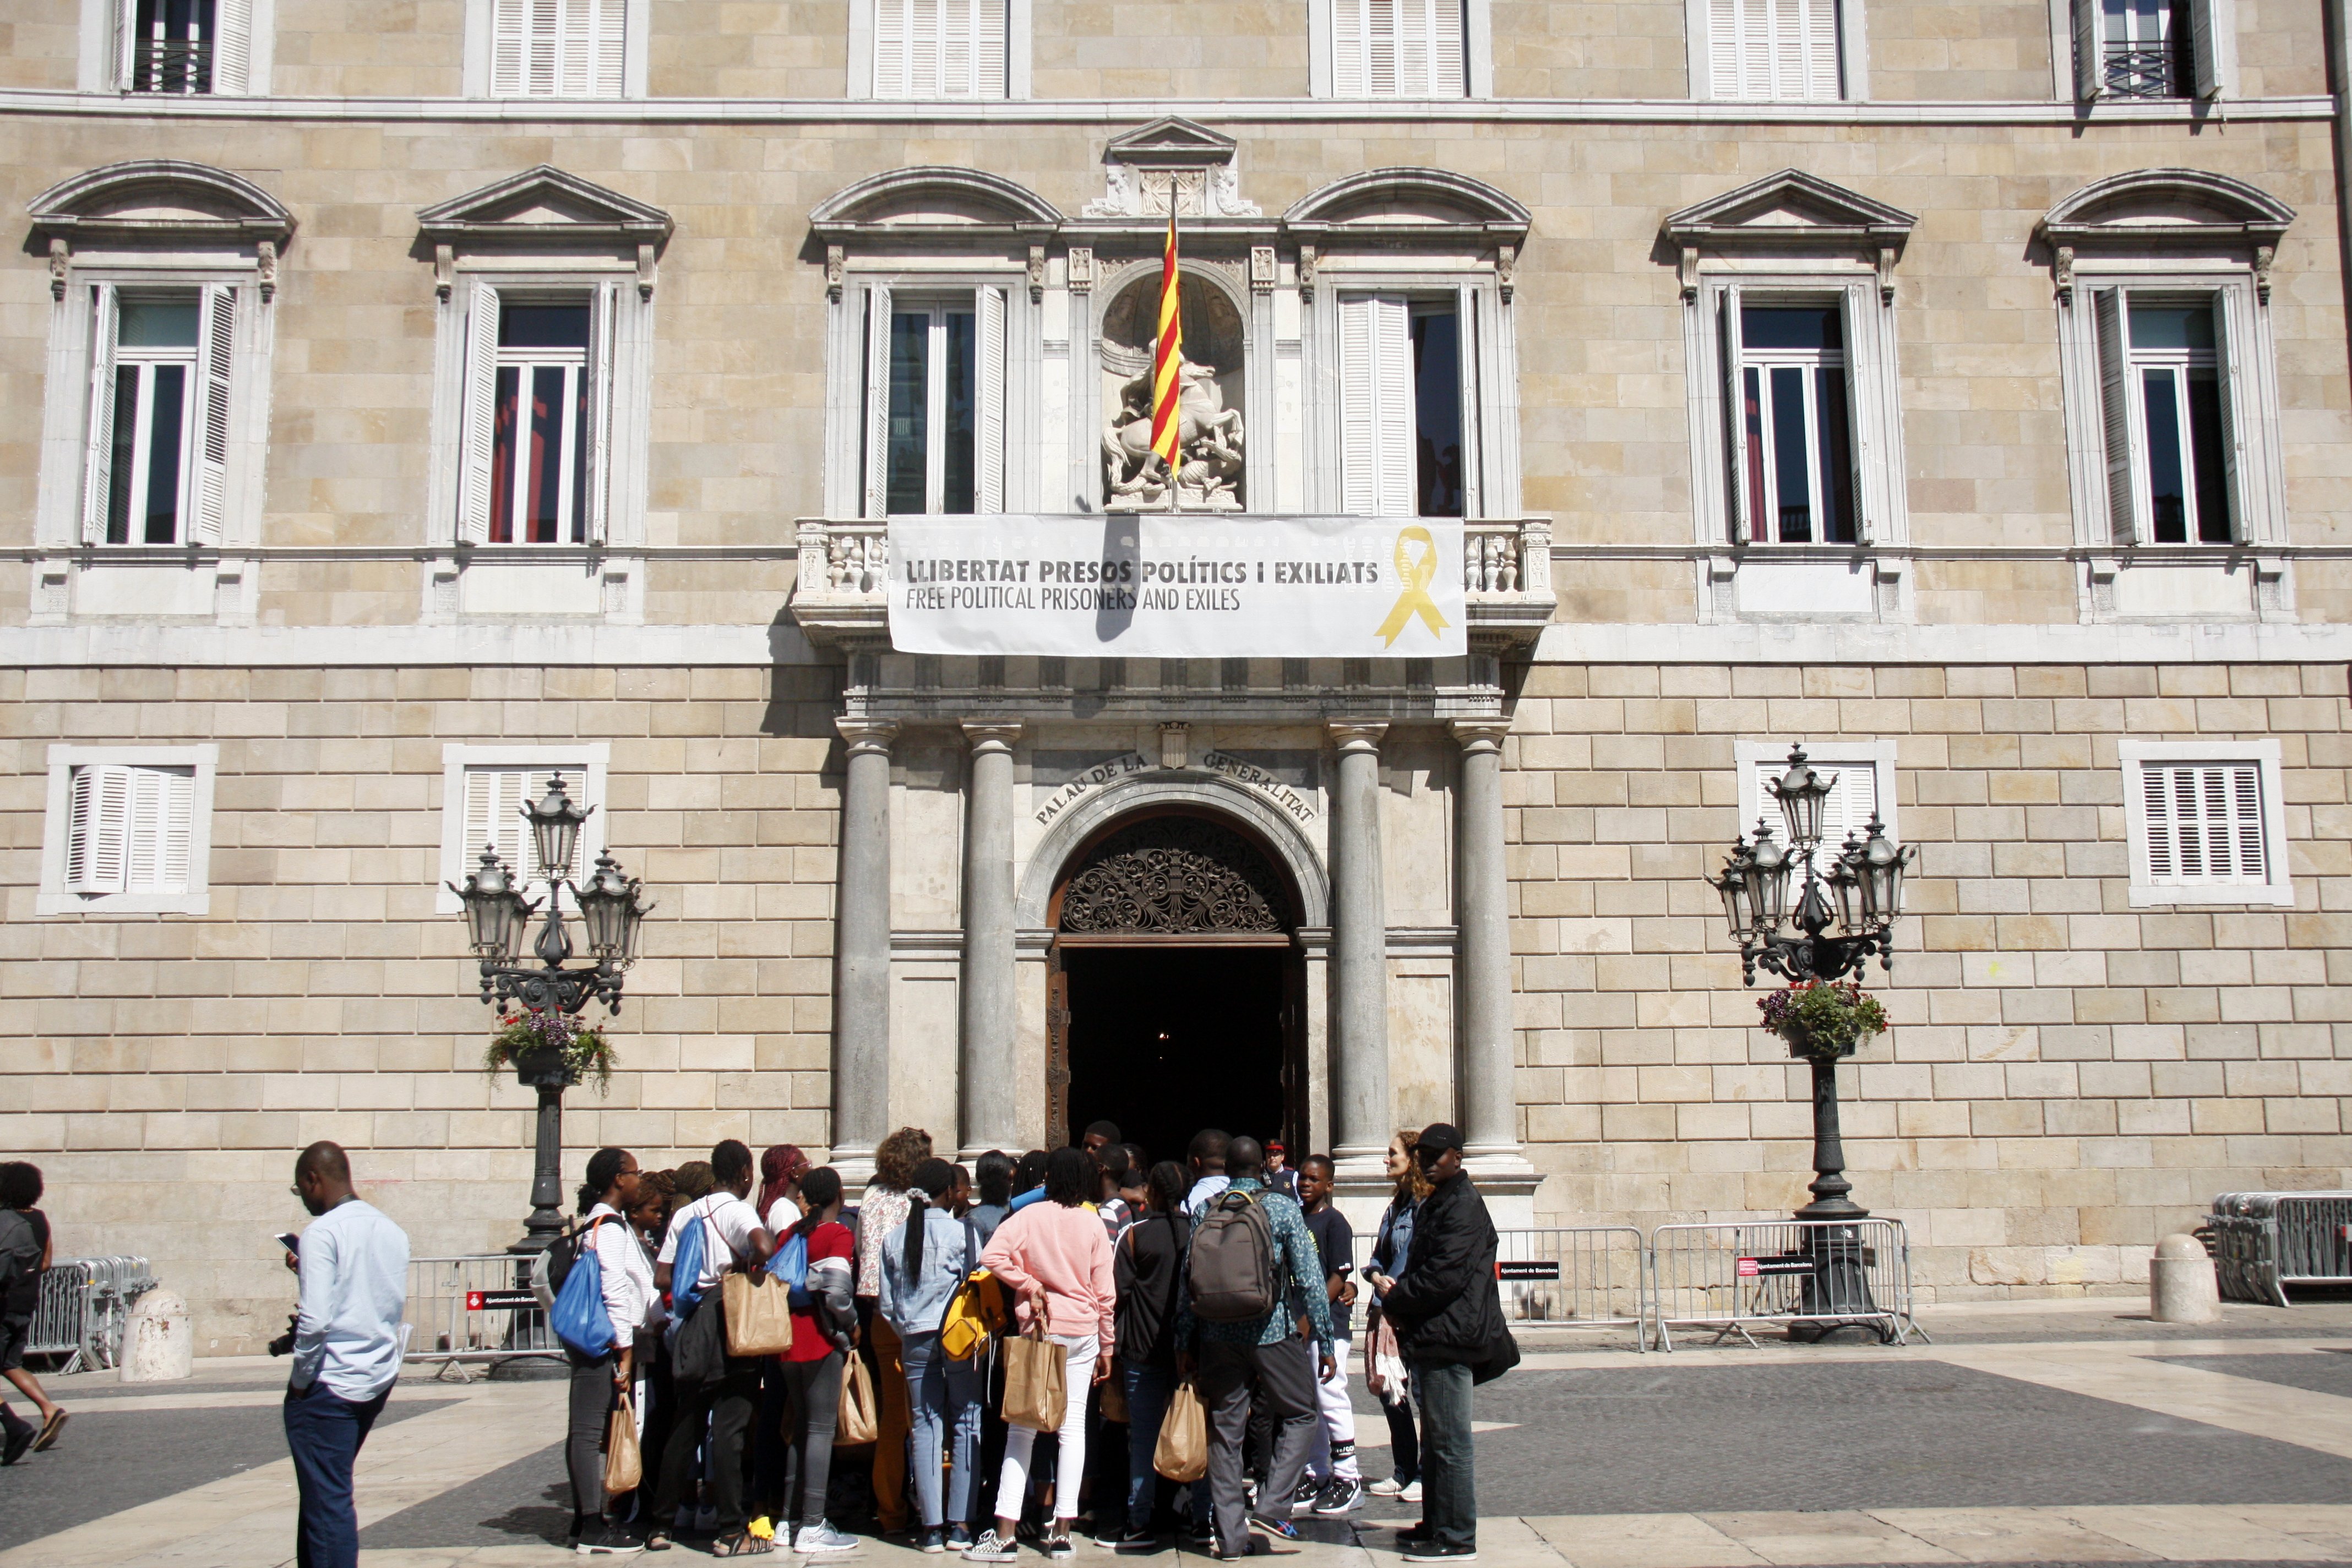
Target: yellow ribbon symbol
1414,600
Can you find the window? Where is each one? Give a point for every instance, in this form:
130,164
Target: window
2171,436
1861,776
1774,50
2204,821
183,46
1399,48
538,413
484,790
157,459
940,48
558,49
935,402
127,830
1408,401
2155,48
1793,444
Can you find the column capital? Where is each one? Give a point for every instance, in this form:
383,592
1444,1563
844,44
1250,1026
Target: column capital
1480,734
1356,734
867,735
990,735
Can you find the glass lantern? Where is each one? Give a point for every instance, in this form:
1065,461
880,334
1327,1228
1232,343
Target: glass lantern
555,829
608,908
1733,886
1767,875
495,912
1801,792
1845,882
1880,866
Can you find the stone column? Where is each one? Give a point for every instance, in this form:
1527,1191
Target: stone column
861,947
1483,1095
985,1084
1359,967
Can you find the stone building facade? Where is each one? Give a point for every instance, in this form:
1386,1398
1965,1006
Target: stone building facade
1796,387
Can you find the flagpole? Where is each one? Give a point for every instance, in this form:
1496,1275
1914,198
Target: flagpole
1168,356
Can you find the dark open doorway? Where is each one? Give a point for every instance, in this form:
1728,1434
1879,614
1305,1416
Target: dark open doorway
1166,1040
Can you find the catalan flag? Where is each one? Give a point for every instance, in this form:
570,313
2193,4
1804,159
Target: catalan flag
1166,387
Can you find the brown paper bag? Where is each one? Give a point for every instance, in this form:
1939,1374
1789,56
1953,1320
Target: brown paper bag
624,1464
1114,1395
1182,1453
759,1313
857,1422
1036,1396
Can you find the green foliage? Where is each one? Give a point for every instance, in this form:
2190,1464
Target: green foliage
1822,1018
583,1048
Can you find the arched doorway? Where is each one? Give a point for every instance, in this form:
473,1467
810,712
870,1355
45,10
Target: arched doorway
1176,988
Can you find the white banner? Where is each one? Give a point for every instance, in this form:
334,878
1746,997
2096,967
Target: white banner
1157,585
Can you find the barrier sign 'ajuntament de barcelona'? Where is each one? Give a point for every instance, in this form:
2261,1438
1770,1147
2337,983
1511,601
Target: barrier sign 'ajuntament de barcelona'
1177,585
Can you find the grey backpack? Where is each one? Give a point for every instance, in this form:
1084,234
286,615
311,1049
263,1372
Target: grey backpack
1231,1270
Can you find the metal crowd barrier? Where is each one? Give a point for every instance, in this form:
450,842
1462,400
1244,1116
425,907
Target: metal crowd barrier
2264,1242
1783,1272
1575,1277
484,1308
84,1310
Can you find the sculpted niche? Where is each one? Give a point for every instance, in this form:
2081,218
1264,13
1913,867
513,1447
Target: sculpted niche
1209,373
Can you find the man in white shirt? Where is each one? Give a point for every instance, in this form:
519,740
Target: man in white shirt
731,1235
353,1266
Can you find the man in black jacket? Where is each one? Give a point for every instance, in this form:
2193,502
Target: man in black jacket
1448,1316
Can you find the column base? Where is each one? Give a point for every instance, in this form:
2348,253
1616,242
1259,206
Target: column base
1507,1181
855,1163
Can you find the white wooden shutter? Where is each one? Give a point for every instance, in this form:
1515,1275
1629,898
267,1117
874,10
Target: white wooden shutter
987,434
602,328
543,47
1448,73
1722,48
891,18
2120,430
1376,423
2213,32
97,822
878,400
958,47
2235,468
479,417
607,54
232,46
1735,416
1465,348
1381,69
926,47
1350,47
510,48
2089,62
1815,24
1858,325
495,798
215,353
991,47
97,463
2203,824
1853,799
160,828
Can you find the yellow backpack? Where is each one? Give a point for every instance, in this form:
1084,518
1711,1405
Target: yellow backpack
976,1315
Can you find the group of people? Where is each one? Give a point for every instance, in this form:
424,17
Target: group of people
1229,1273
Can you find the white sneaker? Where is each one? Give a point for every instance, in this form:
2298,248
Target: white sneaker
821,1540
1387,1485
1412,1493
991,1548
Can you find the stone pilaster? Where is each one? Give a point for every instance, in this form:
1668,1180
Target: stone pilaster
861,958
1360,969
1484,1089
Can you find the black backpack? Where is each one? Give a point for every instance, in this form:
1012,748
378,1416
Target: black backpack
562,1254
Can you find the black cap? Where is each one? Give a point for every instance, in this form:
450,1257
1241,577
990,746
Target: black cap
1438,1137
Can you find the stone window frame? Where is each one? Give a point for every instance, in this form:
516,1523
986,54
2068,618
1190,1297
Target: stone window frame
1019,53
459,859
51,896
604,247
1853,54
474,79
884,236
105,30
199,228
2075,56
1831,755
1477,51
2268,754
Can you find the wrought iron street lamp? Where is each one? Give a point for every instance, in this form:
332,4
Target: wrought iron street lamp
497,916
1846,906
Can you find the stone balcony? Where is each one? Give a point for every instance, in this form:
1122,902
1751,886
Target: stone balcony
841,598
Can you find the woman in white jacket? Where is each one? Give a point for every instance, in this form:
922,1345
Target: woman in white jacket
597,1382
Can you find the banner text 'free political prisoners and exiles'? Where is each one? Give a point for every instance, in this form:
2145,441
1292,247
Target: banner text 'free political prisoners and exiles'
1155,584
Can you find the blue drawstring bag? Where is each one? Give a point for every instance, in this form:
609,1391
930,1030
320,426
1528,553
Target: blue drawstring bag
789,1263
686,1271
579,1318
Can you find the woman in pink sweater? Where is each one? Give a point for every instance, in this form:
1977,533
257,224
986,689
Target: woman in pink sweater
1056,1257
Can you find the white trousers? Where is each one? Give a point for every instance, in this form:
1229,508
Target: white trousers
1338,1428
1070,1462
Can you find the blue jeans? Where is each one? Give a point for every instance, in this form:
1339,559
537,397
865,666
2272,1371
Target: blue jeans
943,1396
1149,1390
324,1434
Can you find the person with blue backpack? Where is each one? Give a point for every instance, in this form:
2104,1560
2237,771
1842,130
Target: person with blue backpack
603,1298
924,1261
